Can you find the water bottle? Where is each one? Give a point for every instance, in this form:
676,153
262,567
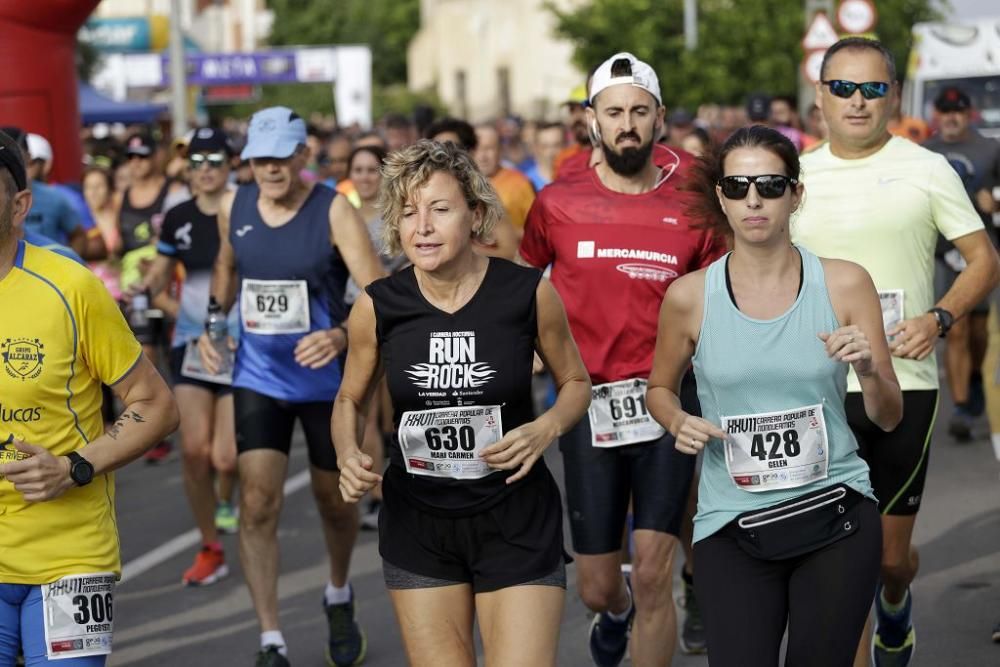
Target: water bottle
137,316
218,332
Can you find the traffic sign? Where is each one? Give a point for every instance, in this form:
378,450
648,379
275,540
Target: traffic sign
820,35
812,64
856,16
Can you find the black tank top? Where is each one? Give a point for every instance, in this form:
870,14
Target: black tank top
139,225
496,331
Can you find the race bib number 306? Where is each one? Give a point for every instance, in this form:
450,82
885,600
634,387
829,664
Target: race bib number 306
79,615
776,450
272,307
618,415
446,442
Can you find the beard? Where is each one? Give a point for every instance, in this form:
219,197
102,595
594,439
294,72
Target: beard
630,161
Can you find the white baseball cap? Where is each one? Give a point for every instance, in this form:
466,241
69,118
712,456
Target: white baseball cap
642,76
39,148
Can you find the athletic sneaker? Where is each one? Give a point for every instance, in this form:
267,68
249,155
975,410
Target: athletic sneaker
159,453
270,657
209,566
348,643
226,520
996,633
960,426
609,638
692,639
894,639
369,519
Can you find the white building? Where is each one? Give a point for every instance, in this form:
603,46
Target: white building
216,25
486,58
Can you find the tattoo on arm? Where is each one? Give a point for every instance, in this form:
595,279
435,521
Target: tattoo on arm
126,417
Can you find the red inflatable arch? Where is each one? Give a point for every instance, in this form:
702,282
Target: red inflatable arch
38,87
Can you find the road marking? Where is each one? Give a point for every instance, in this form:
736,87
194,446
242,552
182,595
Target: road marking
185,541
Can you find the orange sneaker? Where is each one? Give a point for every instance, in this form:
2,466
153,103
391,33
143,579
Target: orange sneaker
209,566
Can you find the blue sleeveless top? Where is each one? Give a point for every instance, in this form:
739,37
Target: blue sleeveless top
747,366
297,250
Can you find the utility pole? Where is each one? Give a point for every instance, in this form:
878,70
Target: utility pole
807,91
178,74
690,24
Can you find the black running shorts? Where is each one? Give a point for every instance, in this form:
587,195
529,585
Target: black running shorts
517,541
601,481
263,422
898,459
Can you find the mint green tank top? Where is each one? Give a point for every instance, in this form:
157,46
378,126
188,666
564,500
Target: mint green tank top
746,366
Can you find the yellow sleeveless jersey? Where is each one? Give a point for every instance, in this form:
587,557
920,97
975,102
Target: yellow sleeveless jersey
61,336
885,212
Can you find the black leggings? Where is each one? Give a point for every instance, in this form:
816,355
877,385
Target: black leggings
823,597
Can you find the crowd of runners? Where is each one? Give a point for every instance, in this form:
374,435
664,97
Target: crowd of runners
732,316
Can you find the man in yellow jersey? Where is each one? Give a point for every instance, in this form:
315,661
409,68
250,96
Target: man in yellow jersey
881,201
61,336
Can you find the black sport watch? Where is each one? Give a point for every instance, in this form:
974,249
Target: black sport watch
81,471
944,319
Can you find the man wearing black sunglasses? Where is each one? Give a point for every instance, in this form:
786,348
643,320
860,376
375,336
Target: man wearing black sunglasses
881,201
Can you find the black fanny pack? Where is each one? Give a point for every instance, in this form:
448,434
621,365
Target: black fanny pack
800,525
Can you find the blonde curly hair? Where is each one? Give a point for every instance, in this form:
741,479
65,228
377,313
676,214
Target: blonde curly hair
407,170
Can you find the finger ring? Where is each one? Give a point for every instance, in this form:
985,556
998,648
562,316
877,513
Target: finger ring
850,339
694,443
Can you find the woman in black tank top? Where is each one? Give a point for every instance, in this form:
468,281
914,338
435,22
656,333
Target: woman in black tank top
472,520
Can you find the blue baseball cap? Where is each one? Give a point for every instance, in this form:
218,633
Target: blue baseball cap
274,132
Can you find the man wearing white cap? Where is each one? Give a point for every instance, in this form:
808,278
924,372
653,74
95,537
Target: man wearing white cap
617,236
292,245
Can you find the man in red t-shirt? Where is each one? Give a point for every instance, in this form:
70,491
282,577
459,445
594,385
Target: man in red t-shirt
616,236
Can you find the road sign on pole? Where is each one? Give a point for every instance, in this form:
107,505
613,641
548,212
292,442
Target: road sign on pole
856,16
821,33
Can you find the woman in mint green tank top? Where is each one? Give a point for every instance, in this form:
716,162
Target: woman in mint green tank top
787,533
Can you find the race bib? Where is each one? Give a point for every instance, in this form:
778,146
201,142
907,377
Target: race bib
892,308
272,307
445,442
192,367
79,615
776,450
618,415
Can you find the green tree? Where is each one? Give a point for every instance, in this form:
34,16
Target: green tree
744,46
387,26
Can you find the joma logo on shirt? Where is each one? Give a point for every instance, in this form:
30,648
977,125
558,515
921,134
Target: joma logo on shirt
452,363
22,357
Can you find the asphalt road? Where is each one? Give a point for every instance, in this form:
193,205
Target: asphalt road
160,622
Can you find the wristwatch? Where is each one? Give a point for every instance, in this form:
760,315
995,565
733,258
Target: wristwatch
944,320
81,471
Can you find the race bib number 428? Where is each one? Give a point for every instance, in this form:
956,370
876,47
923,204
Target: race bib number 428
79,615
776,450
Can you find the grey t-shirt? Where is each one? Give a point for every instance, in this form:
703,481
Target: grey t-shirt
977,161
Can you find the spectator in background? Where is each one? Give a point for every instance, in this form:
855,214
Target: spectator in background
514,188
908,127
454,130
370,138
550,139
400,131
576,124
977,160
334,159
40,152
512,150
680,124
697,142
103,202
785,114
759,108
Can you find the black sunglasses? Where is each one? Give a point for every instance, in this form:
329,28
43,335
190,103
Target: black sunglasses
213,160
769,186
870,89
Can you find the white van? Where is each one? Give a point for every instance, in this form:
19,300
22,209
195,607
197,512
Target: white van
966,55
